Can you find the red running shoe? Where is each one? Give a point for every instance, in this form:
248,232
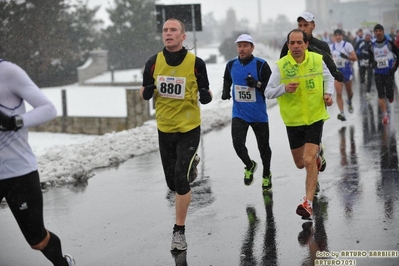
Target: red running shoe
385,119
304,209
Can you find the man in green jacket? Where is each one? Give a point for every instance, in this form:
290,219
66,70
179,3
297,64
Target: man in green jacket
303,86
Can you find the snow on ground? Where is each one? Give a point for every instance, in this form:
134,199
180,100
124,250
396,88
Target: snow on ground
65,158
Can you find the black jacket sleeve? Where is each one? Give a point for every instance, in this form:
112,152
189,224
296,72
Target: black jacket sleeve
148,70
264,75
284,50
201,74
227,80
328,61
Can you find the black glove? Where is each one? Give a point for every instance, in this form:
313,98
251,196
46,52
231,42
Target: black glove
226,95
338,76
251,82
343,55
148,91
205,96
7,123
393,70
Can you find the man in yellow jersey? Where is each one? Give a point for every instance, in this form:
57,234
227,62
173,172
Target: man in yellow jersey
303,86
177,80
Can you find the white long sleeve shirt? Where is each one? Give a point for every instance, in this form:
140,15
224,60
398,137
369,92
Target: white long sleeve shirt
16,155
275,88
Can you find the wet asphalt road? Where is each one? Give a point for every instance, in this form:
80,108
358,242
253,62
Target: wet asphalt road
124,215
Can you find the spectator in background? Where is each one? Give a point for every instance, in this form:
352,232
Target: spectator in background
343,54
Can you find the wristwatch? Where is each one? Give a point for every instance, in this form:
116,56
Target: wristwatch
258,84
18,122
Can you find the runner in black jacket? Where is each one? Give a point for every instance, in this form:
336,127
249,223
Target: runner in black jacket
306,23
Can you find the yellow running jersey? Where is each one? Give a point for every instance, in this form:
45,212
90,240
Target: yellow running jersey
176,96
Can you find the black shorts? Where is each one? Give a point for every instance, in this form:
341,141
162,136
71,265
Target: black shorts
177,152
298,136
384,84
25,198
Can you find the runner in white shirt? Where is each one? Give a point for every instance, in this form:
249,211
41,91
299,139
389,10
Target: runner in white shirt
19,177
343,54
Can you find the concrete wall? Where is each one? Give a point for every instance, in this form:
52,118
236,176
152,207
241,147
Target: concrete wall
137,113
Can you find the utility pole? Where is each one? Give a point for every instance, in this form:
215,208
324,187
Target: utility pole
259,27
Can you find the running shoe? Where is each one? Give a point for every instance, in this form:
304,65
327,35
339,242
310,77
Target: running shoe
304,209
321,161
178,241
267,182
341,117
350,106
385,119
249,174
70,260
194,171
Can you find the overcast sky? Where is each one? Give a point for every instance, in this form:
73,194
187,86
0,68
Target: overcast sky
244,8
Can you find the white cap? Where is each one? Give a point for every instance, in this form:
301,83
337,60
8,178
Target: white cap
366,32
309,17
244,38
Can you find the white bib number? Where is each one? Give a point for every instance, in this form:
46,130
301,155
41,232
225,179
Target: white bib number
382,62
339,62
171,87
364,62
244,94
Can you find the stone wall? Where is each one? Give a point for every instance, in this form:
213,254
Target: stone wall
138,112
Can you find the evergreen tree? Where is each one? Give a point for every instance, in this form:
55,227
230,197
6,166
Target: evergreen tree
132,38
40,36
228,48
207,35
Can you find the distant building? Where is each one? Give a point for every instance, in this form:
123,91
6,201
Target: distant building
351,15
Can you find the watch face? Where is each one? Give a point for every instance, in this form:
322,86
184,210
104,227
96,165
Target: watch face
19,122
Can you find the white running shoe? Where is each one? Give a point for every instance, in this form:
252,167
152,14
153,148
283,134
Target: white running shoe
69,259
178,241
194,171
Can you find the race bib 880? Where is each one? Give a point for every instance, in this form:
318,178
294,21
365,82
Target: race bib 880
171,87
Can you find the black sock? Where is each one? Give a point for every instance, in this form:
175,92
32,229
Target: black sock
53,251
266,174
180,228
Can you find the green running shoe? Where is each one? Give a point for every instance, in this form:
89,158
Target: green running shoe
267,182
249,174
